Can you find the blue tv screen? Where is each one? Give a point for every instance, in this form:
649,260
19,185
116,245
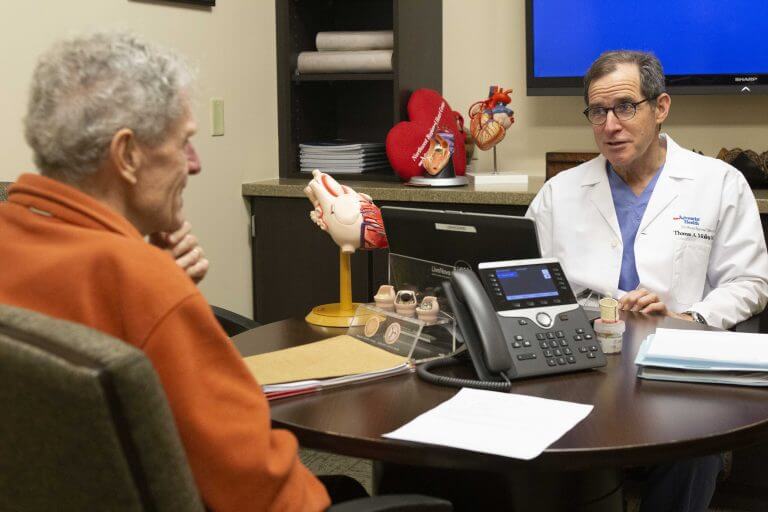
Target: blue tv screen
705,46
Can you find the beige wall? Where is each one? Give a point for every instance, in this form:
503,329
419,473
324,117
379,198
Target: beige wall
484,44
233,45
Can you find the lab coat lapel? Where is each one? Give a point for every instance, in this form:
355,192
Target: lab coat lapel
599,193
664,193
668,185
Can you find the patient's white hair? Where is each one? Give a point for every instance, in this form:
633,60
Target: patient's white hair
88,87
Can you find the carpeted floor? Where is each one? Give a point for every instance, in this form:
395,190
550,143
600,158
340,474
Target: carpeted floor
323,463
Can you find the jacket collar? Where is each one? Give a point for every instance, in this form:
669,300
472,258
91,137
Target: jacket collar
599,193
669,184
595,172
666,190
64,202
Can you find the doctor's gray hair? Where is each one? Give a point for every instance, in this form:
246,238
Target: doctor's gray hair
88,87
651,73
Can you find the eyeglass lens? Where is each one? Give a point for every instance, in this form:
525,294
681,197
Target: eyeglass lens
624,111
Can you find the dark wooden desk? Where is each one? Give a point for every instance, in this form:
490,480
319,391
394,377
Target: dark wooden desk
634,422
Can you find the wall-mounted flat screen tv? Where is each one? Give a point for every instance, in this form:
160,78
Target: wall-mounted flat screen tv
706,46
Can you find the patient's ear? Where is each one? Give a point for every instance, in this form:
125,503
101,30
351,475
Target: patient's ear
125,155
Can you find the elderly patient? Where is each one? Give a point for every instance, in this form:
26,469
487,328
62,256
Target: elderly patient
109,124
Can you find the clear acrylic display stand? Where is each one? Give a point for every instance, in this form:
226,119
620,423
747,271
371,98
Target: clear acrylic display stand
423,277
406,336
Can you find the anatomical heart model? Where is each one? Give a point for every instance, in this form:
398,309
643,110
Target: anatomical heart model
427,149
438,153
490,118
352,220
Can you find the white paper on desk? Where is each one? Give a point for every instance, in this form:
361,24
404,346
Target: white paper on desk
714,350
505,424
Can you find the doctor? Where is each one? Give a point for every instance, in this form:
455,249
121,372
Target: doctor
661,228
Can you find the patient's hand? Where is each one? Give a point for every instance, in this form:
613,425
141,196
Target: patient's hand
352,220
185,249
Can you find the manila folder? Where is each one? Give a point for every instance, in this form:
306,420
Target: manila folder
331,357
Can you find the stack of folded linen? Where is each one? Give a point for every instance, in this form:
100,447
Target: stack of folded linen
349,52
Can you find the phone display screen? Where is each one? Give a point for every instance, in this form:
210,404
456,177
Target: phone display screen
527,286
525,283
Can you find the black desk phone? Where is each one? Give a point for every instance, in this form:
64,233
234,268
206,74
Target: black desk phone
519,319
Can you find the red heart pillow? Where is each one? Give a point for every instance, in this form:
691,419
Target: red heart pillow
407,141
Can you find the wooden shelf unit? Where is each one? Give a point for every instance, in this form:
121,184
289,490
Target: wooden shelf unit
359,107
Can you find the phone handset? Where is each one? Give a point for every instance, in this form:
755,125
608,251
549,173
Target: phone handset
489,343
483,337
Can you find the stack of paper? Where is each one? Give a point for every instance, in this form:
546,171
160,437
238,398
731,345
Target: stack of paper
342,158
505,424
714,357
275,391
331,362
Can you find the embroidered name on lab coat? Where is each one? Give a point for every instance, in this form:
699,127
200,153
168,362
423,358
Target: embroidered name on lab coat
685,227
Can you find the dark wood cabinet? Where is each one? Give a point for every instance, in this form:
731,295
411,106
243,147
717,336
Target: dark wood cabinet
360,107
296,265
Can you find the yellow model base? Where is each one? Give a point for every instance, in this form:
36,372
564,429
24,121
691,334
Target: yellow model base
333,315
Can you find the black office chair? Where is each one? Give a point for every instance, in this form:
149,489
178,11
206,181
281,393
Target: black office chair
85,423
233,323
744,484
86,426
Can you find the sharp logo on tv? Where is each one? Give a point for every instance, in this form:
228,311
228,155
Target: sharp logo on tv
746,79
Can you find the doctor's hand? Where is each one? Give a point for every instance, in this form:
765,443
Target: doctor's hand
643,301
185,249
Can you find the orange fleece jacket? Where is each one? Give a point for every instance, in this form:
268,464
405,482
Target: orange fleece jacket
70,256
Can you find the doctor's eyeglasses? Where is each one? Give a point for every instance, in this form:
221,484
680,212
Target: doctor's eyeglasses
622,111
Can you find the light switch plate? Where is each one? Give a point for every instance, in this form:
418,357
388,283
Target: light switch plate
217,117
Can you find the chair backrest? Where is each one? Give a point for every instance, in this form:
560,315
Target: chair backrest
85,424
559,162
233,323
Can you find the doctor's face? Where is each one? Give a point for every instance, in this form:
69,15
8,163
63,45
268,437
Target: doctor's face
627,143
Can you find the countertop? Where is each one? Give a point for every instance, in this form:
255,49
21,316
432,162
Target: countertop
519,195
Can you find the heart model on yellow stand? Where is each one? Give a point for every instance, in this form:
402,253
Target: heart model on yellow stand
353,222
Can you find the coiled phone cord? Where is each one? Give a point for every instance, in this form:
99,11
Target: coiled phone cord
424,372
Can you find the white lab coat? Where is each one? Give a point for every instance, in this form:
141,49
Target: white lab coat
700,244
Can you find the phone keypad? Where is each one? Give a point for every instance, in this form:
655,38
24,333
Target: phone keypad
565,346
556,346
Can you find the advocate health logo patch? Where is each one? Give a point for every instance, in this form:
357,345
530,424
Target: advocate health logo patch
688,221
